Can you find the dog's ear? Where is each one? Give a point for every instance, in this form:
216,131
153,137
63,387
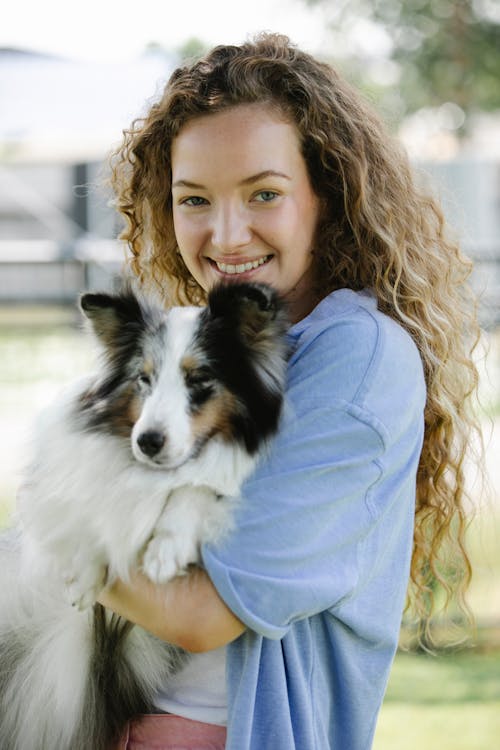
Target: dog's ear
252,307
112,314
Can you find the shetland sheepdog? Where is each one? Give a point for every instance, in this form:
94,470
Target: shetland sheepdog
136,466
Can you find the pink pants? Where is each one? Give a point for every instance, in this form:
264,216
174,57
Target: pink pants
168,732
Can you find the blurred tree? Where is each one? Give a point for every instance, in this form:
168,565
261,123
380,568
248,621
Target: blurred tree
444,50
192,48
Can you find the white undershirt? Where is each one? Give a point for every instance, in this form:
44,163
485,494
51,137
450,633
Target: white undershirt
198,690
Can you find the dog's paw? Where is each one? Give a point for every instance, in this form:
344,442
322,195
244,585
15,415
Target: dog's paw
78,598
159,562
166,558
82,591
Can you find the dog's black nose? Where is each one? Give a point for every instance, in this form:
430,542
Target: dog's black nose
151,442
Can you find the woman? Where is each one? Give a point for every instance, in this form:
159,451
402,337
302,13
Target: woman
260,162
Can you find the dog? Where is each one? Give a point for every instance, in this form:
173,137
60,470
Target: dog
135,466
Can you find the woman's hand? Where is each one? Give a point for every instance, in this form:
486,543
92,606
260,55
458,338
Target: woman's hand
187,611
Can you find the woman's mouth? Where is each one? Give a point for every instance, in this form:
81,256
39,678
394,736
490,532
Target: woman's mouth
234,268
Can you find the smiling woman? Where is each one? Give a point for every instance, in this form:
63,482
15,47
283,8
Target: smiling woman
261,163
254,213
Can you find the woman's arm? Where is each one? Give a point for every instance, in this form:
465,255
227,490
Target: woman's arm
187,611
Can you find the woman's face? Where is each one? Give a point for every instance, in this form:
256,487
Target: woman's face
243,205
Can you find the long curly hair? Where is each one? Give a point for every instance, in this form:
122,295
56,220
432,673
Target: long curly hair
377,229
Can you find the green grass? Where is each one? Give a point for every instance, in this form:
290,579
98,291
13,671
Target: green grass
445,678
447,702
403,726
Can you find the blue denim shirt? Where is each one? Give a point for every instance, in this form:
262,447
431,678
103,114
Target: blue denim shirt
317,566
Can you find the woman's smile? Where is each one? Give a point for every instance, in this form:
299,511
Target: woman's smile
240,266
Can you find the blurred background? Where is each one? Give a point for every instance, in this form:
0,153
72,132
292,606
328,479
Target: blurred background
73,76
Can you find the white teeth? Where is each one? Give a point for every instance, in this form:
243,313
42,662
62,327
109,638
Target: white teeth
242,267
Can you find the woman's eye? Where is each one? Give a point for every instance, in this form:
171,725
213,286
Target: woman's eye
265,196
194,200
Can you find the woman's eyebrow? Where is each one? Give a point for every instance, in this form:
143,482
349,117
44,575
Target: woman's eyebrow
263,175
247,181
188,184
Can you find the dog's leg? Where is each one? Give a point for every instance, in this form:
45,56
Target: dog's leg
192,515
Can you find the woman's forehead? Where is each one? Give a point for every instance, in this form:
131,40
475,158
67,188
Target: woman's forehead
246,140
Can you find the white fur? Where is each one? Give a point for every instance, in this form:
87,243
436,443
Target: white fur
167,407
89,505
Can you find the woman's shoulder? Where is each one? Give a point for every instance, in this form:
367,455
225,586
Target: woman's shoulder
346,314
348,350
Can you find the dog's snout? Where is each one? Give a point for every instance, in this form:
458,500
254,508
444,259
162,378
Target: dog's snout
151,442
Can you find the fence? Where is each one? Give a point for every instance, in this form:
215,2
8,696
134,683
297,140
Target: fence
43,271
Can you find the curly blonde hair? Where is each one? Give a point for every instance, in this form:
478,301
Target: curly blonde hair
377,229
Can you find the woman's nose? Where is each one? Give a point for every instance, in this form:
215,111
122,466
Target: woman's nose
231,228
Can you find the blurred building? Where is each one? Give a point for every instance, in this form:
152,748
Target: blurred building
56,110
469,189
60,119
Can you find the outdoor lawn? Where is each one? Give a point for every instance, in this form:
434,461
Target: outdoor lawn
442,702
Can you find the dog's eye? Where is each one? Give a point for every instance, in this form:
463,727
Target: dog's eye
144,380
199,378
200,384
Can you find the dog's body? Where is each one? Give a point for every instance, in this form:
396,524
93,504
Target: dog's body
134,467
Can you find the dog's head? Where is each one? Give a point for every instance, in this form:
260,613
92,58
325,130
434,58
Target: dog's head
173,380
